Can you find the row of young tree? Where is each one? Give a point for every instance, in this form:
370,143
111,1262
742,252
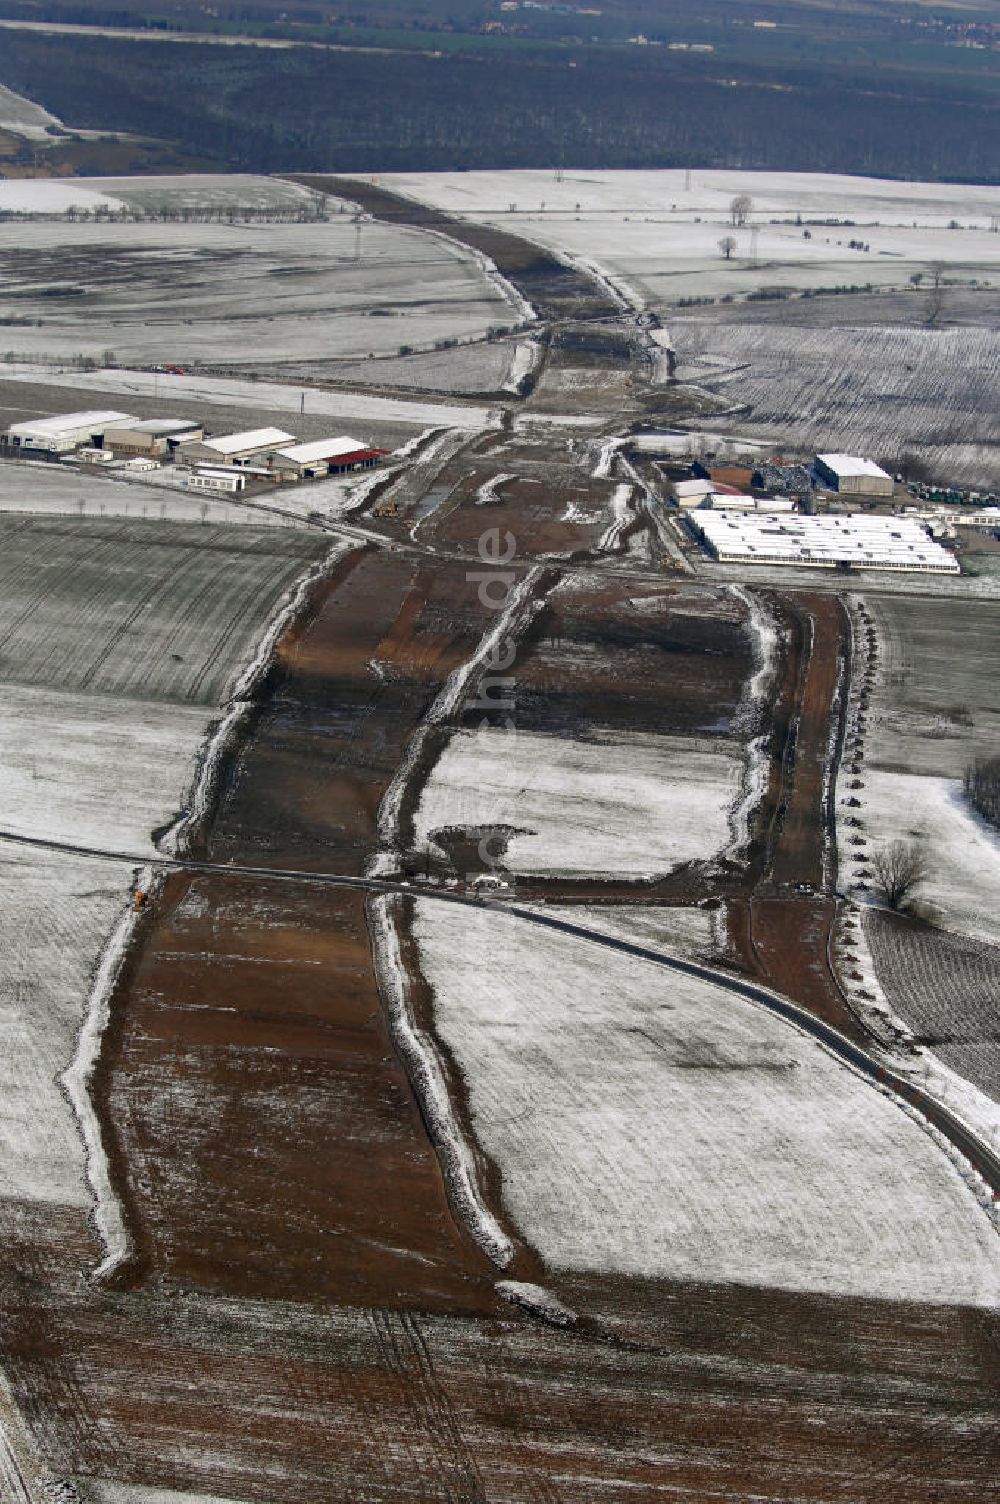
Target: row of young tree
982,787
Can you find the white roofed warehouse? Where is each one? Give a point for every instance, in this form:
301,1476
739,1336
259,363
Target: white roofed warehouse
855,542
233,448
62,434
326,457
852,476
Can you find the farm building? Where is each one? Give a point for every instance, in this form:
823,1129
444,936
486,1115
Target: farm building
230,478
857,542
151,437
60,435
852,476
325,457
233,448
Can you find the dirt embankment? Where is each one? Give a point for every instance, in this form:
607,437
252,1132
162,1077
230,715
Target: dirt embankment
269,1140
784,936
553,289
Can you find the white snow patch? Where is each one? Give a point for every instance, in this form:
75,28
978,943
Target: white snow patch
963,854
623,513
488,494
606,458
94,770
526,356
615,805
656,1125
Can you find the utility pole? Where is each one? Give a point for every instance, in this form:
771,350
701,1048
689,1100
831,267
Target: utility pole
357,238
302,404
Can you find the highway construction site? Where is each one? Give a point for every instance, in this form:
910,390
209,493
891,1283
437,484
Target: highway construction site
493,775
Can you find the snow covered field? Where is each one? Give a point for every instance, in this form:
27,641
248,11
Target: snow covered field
241,294
635,805
659,238
877,391
94,770
936,703
24,118
962,853
650,1124
55,914
54,491
694,933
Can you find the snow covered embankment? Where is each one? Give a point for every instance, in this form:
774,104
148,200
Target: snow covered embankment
749,717
178,840
77,1080
423,1066
526,359
488,494
612,540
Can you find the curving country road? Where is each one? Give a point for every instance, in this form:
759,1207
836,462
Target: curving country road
978,1153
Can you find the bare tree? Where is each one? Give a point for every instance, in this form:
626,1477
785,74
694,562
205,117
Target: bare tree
935,293
727,245
740,209
898,868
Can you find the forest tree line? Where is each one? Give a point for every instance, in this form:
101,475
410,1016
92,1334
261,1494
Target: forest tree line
261,110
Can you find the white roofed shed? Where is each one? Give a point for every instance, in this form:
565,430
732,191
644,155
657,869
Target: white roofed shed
61,434
852,475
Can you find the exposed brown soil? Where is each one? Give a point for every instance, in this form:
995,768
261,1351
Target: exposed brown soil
623,656
690,1391
349,688
267,1136
789,938
798,857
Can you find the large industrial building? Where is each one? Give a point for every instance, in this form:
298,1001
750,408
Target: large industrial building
61,435
151,438
325,457
233,448
851,476
854,542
